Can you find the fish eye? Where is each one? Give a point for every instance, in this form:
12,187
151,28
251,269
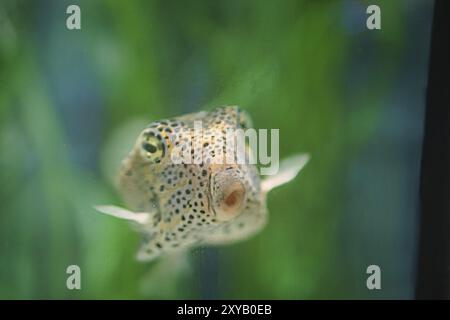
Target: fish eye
152,146
244,120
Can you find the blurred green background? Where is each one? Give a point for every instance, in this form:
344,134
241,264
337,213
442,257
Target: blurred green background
70,101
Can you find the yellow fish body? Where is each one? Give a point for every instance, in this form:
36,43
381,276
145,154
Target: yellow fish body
205,200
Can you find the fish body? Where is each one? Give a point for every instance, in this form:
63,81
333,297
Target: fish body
186,187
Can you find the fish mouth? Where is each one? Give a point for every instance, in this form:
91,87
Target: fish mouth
226,194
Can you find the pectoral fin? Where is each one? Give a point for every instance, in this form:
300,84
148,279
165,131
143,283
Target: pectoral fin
139,217
289,168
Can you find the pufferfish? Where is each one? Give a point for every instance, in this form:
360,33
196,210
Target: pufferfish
180,205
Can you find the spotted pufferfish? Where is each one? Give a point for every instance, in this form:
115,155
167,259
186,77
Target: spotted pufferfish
178,206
